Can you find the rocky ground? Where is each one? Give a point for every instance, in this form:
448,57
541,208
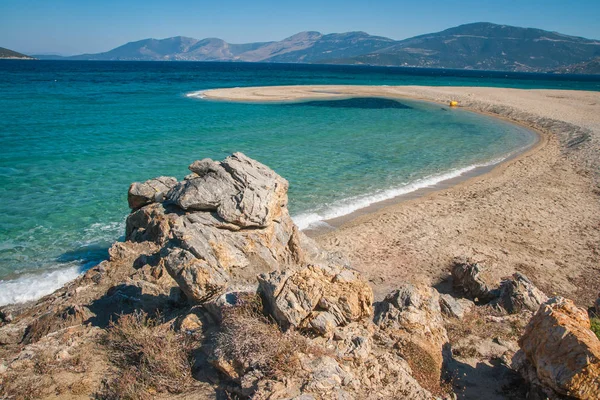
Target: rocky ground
216,294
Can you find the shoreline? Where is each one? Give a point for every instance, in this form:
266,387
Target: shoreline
465,178
329,224
537,213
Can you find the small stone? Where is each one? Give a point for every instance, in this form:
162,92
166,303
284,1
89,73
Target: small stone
190,323
453,307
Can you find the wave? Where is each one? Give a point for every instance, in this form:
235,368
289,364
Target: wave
198,94
315,219
34,286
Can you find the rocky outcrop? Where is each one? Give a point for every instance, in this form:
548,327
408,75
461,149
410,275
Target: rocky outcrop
467,281
240,190
217,239
316,297
560,347
223,224
514,294
410,317
519,293
151,191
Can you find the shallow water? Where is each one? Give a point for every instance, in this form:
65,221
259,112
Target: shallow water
76,134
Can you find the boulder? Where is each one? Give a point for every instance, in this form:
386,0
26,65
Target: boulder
467,281
222,225
453,307
242,191
151,191
519,293
411,317
597,305
559,344
319,298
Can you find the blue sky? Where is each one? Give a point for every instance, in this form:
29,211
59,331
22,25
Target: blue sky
78,26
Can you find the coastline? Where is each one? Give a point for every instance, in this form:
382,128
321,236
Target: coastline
537,213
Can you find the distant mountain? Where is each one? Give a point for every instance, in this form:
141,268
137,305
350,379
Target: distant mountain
10,54
589,67
485,46
302,47
472,46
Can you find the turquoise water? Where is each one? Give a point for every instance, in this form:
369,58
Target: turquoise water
74,135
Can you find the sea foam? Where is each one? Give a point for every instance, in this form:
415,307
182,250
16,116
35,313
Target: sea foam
34,286
198,94
315,219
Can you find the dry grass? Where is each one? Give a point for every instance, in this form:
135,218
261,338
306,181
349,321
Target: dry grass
250,341
424,368
150,359
479,323
36,378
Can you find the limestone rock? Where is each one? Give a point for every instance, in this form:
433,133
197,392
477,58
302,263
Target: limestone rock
326,374
354,341
151,223
316,297
388,376
242,191
198,279
519,293
151,191
411,317
221,226
204,190
453,307
227,301
565,353
467,281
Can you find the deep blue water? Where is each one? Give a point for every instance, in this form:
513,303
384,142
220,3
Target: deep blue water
75,134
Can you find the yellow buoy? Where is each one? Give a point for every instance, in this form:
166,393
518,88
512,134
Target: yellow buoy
453,103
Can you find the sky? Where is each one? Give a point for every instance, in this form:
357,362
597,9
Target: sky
89,26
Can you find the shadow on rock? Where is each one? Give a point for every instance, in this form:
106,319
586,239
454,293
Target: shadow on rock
129,298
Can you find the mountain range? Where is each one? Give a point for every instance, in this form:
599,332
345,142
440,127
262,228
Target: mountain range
480,45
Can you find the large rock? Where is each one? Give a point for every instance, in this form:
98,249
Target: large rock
242,191
467,281
411,317
221,226
519,293
565,353
316,297
151,191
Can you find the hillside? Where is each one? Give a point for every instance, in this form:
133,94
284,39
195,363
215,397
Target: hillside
485,46
480,45
589,67
10,54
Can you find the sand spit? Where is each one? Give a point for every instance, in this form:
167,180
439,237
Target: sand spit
538,213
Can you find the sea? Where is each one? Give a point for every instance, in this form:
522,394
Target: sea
75,134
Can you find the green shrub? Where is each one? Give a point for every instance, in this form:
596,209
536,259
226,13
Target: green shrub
595,322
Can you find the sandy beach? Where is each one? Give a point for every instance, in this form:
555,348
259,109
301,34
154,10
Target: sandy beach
538,213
